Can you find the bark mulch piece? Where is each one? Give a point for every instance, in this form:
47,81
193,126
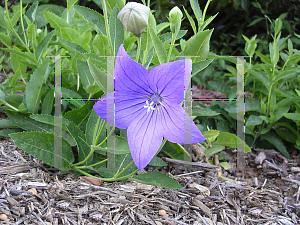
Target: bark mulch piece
266,192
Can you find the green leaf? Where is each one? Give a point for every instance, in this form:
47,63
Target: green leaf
84,74
121,147
7,132
225,165
2,97
99,75
82,147
211,135
111,4
71,35
253,121
33,91
43,45
198,45
218,86
48,119
159,47
293,116
74,98
93,128
272,138
175,151
263,58
40,19
199,66
41,146
55,21
93,17
116,30
214,150
31,32
70,4
80,116
25,55
5,39
204,112
156,178
232,141
100,44
4,124
192,22
287,135
286,102
278,114
47,105
72,47
155,161
196,9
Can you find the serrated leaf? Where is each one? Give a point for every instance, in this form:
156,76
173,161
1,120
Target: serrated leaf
192,22
204,112
71,35
7,132
93,17
199,66
196,9
4,124
116,30
253,121
80,116
55,21
70,4
159,47
211,135
217,86
156,178
198,45
99,75
40,19
41,146
43,45
33,91
84,74
272,138
293,116
82,147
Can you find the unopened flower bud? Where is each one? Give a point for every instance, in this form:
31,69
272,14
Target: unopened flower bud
175,16
38,31
134,16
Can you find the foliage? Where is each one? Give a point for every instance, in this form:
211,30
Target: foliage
43,40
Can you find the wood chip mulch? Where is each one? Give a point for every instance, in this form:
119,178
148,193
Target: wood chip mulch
266,192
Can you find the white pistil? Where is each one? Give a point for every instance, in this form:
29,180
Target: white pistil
149,106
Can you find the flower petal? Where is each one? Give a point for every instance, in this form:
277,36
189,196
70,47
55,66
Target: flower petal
178,126
131,76
171,80
120,109
144,137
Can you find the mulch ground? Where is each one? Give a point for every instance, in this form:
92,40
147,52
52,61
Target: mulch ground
266,192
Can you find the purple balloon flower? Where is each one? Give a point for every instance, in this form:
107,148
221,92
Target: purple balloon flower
149,105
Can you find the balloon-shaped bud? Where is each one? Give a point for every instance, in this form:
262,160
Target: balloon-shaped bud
175,16
134,16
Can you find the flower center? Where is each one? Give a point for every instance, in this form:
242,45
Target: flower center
153,100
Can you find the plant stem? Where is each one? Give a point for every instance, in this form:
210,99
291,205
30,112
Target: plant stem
107,26
21,16
105,139
203,15
98,136
95,164
106,179
117,175
171,47
139,49
10,106
86,159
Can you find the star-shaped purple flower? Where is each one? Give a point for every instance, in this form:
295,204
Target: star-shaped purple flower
149,105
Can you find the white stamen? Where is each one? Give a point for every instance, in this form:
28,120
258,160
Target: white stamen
149,106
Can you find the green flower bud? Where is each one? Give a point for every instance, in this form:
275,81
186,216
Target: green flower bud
175,16
134,16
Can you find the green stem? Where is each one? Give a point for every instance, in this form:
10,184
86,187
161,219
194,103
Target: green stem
21,16
139,49
10,106
269,96
95,164
117,175
171,47
98,136
86,159
107,26
13,30
106,179
105,139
